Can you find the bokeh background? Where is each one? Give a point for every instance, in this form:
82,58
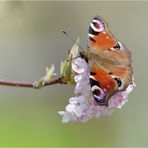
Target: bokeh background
31,40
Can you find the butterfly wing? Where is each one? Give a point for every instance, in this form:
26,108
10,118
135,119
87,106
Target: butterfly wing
110,62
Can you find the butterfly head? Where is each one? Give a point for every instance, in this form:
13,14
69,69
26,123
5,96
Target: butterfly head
99,36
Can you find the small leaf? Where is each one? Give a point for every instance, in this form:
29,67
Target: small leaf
66,69
74,52
49,74
38,84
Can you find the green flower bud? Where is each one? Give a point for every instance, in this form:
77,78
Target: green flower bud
66,69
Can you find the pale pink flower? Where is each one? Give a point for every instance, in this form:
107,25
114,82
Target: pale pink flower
79,65
82,106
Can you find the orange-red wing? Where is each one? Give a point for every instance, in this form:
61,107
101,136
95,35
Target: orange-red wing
103,85
110,61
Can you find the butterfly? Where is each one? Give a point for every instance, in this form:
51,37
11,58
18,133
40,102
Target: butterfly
109,62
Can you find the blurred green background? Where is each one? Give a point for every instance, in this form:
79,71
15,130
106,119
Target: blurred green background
31,40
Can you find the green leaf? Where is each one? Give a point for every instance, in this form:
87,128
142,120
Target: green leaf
66,66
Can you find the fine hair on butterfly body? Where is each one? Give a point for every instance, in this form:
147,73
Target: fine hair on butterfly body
109,61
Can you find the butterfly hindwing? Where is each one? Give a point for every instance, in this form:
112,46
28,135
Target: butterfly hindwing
102,84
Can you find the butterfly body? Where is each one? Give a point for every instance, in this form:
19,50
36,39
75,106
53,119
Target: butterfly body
109,62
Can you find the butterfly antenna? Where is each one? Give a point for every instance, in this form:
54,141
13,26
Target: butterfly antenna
63,31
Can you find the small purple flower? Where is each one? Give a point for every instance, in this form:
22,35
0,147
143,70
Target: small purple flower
79,65
82,106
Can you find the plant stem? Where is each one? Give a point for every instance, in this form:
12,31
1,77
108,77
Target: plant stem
29,84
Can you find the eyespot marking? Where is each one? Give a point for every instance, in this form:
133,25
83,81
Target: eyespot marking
97,25
99,95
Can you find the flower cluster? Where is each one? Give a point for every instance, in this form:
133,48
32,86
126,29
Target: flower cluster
82,107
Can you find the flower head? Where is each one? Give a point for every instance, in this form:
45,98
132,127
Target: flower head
82,106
